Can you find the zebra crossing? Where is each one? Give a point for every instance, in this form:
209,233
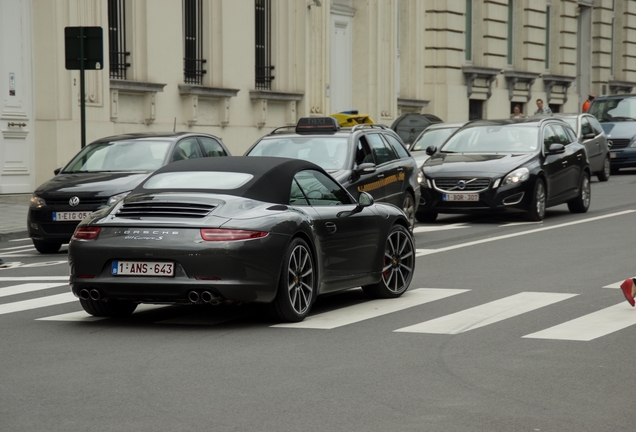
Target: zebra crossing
585,328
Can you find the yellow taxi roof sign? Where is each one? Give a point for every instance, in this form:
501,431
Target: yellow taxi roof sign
351,118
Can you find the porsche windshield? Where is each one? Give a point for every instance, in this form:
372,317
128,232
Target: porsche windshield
330,153
494,139
614,109
139,155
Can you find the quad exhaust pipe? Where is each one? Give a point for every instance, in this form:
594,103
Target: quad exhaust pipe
193,296
84,294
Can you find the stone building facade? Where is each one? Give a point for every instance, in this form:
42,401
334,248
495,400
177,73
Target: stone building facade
239,68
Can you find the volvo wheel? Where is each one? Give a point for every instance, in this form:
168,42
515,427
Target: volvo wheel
537,207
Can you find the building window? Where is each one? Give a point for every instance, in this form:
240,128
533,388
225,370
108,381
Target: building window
263,42
193,42
475,109
117,39
469,30
510,32
547,37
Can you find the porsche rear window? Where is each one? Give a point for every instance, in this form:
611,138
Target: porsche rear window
198,180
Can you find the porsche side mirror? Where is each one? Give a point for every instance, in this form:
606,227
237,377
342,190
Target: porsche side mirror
430,150
364,200
556,149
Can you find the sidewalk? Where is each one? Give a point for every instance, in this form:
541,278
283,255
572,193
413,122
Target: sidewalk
13,216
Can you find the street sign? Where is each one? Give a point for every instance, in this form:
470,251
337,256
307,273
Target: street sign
91,40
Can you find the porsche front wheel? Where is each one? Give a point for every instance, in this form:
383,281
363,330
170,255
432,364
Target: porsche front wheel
398,264
297,285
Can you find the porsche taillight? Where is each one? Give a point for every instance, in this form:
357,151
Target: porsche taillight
86,233
218,234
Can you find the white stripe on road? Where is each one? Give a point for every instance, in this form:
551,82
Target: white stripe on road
435,228
18,247
486,314
82,316
591,326
33,278
372,309
533,231
28,287
22,239
37,303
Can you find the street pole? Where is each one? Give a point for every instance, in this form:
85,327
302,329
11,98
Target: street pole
82,88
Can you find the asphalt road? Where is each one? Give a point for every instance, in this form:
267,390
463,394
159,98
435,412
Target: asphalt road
507,326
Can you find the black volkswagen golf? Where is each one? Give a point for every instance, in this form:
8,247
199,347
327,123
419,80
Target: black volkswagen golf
491,166
101,174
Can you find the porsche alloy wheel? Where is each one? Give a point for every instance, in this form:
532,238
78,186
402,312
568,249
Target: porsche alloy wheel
297,286
398,265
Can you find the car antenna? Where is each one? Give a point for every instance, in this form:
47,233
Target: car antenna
174,128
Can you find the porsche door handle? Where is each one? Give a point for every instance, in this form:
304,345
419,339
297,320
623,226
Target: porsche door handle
331,227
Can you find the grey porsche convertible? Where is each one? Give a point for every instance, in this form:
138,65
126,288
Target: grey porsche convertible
265,230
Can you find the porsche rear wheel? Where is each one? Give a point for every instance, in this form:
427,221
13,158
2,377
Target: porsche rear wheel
398,265
110,308
297,285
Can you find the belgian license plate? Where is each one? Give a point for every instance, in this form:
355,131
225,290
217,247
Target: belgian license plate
612,155
460,197
70,216
142,268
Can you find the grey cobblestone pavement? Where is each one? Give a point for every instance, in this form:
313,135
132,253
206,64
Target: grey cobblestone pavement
13,215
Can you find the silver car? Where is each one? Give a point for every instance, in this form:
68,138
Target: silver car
590,133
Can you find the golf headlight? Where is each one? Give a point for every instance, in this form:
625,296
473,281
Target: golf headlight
517,176
36,202
115,198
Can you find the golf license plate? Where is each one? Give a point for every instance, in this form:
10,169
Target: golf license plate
142,268
460,197
70,216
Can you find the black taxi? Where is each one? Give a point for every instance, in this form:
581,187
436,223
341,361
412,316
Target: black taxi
363,158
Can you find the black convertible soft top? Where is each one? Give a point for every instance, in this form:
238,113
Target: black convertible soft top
271,182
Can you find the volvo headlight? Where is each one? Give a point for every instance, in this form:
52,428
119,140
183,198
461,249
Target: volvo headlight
116,198
422,180
36,202
517,176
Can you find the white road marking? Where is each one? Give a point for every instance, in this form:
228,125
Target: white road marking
82,316
591,326
28,287
616,285
533,231
520,223
36,303
431,228
485,314
18,247
372,309
22,239
33,278
422,252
